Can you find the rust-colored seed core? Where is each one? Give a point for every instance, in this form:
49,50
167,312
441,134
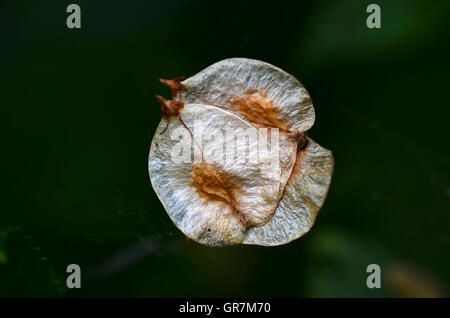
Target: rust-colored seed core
257,108
213,184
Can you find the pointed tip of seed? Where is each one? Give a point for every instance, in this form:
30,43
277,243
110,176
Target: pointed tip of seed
163,81
161,99
169,108
174,84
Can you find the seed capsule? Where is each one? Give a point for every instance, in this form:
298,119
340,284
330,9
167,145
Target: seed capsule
220,202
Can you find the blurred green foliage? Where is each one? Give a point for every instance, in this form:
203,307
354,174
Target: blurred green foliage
80,116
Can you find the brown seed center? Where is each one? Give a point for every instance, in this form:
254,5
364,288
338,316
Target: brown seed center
213,184
257,108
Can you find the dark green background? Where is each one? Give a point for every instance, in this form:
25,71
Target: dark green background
80,115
